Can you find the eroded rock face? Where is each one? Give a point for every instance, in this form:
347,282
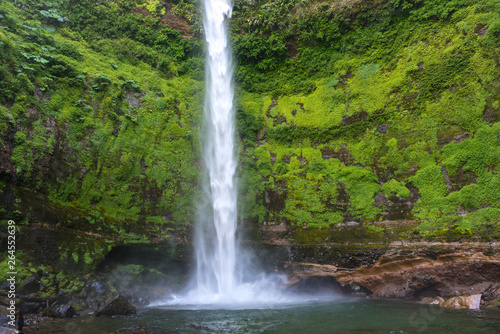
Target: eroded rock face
375,264
491,296
463,302
317,285
416,273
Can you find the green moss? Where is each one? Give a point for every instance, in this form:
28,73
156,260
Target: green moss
421,72
87,259
394,187
430,182
362,186
22,267
308,203
483,223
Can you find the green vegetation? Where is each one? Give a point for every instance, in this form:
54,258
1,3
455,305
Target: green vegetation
345,109
100,106
120,113
372,98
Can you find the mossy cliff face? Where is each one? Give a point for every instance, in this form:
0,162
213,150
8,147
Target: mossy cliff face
100,108
362,113
368,111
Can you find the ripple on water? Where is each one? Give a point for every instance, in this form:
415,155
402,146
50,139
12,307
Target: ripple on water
338,316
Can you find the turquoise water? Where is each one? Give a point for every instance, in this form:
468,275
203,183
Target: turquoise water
339,316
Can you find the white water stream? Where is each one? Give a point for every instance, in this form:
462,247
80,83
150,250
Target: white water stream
224,272
216,254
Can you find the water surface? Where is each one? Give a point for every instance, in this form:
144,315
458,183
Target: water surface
337,316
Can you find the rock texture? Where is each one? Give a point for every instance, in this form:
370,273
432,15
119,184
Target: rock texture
463,302
414,273
316,285
115,305
379,265
432,301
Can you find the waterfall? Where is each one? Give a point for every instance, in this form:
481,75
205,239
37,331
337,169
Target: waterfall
224,273
215,239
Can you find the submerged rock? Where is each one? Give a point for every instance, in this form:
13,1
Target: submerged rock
115,305
432,301
463,302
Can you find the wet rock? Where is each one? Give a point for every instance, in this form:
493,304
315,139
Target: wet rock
95,291
342,154
98,287
400,208
432,301
32,307
359,117
60,311
34,304
300,270
385,265
356,290
463,302
115,305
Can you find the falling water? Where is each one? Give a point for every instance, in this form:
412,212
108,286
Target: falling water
224,271
216,252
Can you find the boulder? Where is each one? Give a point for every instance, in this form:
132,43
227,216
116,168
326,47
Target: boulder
30,286
115,305
463,302
60,311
